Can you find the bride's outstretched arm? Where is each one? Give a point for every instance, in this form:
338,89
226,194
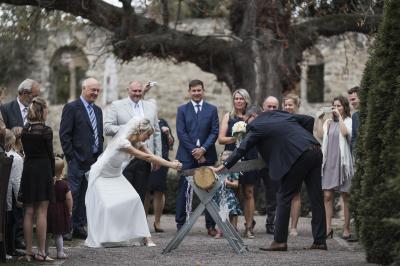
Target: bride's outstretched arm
145,154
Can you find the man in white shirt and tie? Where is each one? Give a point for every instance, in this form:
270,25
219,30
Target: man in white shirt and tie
15,112
120,112
197,127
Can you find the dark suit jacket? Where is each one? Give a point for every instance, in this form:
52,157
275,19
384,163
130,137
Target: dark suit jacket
355,119
190,127
280,137
12,114
77,136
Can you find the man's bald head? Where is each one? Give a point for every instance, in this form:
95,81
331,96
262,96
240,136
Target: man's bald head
270,103
135,90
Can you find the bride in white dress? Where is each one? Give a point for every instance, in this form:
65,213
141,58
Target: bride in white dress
115,213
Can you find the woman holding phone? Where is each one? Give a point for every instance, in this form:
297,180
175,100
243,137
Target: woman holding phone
337,163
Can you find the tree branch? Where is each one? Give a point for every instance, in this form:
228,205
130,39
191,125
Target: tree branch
306,34
146,37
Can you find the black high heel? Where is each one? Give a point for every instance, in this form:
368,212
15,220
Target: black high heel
158,230
330,234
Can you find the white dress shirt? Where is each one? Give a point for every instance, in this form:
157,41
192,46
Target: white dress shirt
24,111
137,108
15,177
198,144
199,103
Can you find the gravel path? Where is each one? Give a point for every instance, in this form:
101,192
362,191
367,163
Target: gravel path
199,249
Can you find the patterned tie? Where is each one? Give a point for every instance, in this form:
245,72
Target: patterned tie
197,108
93,121
25,115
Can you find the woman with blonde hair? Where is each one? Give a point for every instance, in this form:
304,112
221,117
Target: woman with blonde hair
241,102
37,176
291,104
115,212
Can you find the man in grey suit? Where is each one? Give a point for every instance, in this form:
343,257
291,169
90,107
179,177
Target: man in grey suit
119,113
15,112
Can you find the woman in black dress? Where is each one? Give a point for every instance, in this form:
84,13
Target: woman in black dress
158,179
37,176
241,101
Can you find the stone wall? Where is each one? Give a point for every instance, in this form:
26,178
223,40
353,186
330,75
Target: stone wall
344,58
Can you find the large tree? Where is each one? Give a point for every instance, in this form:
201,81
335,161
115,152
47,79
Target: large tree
261,55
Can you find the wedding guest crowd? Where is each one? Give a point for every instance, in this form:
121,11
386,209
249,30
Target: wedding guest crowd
58,207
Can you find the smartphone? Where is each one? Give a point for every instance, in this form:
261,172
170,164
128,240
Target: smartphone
152,83
327,109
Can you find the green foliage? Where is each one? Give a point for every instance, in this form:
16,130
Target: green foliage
190,9
376,202
20,27
17,42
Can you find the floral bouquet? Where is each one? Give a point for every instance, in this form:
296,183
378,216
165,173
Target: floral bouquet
239,131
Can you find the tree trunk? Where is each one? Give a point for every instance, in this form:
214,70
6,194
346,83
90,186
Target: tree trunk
268,67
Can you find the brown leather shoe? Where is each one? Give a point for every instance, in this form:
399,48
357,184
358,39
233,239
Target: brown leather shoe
211,231
318,246
275,246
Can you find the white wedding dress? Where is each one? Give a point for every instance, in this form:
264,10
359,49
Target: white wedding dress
115,213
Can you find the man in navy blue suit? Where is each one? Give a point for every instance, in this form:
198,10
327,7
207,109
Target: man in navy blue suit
293,155
81,135
197,128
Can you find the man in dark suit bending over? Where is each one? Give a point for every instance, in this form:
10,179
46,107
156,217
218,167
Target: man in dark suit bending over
292,155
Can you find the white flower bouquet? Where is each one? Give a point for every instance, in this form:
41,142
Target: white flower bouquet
239,131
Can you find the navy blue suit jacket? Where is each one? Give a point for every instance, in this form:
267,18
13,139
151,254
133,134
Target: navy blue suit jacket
280,138
190,127
12,114
77,136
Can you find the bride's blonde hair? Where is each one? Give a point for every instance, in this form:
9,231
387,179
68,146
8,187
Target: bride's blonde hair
144,126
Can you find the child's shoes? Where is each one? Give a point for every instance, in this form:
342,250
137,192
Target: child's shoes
219,234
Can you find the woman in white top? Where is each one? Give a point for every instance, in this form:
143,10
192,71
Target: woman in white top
115,213
337,164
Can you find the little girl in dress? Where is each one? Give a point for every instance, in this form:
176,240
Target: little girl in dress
231,184
60,211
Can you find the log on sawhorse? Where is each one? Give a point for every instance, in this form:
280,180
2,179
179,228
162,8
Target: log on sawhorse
207,203
227,229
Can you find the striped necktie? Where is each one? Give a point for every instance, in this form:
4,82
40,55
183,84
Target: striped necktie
25,115
93,121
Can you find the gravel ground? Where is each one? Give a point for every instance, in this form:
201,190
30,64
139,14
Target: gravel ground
199,249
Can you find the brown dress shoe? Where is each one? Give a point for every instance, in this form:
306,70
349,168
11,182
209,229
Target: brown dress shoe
211,231
318,246
275,246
